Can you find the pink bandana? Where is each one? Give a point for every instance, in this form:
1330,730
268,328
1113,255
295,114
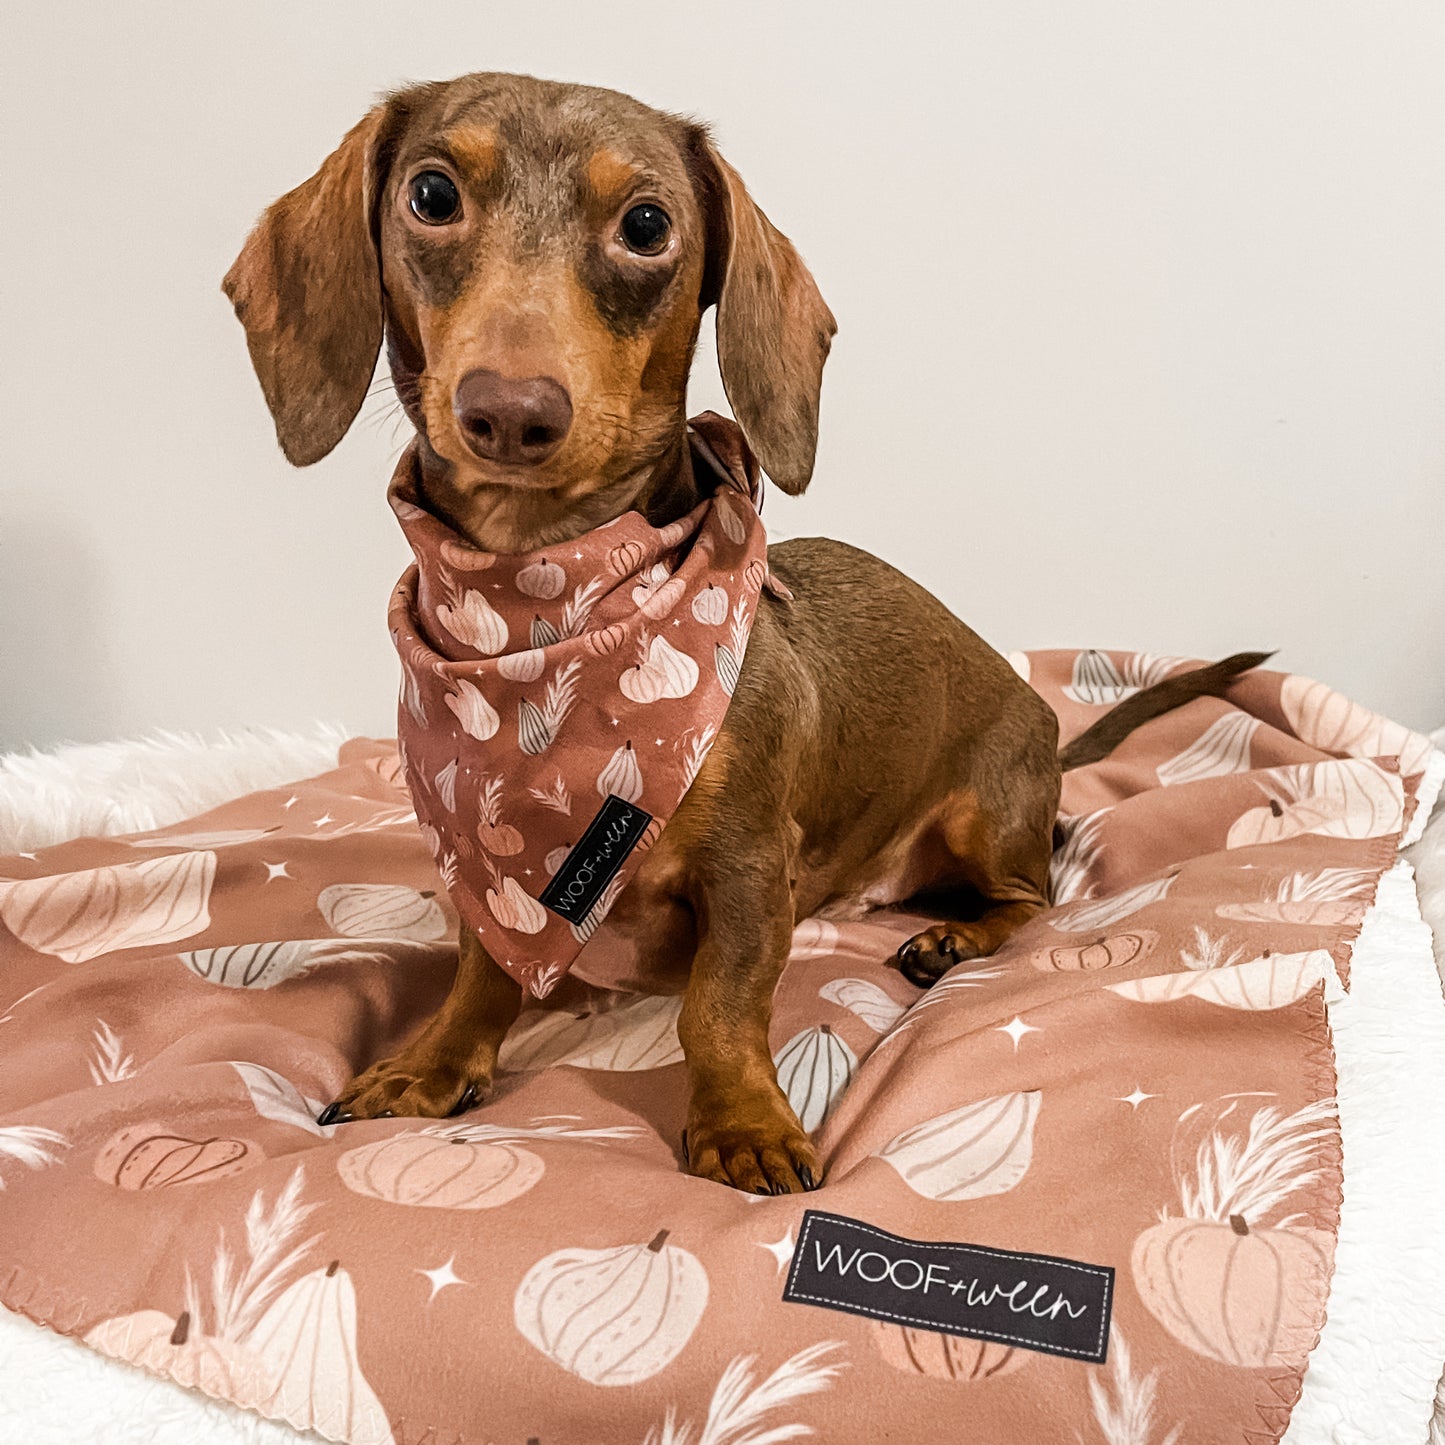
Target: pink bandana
557,705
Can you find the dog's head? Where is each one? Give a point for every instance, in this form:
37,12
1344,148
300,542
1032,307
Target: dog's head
537,257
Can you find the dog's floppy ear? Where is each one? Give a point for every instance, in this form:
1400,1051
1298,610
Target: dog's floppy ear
773,327
307,288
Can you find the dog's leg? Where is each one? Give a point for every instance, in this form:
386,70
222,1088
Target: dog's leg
740,1128
448,1066
1008,864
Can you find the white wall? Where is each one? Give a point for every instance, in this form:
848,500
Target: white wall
1142,309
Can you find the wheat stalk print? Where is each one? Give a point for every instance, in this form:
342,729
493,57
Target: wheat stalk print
697,751
579,607
735,1415
1327,884
109,1064
1076,856
1123,1402
560,697
31,1146
556,797
1208,953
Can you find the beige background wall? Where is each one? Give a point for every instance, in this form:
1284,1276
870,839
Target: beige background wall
1142,307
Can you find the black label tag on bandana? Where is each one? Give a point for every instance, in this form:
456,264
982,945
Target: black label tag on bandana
593,863
1056,1306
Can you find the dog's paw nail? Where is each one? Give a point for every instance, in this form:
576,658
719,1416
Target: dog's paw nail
805,1175
467,1101
331,1114
686,1159
386,1114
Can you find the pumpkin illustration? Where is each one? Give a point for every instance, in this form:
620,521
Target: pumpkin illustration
1333,723
863,999
1103,912
144,1156
251,965
755,574
943,1356
556,858
1222,748
542,579
1242,1296
725,660
310,1374
493,834
625,558
476,715
606,640
171,1347
1351,798
1269,982
664,673
621,778
710,606
814,1067
544,634
1112,952
968,1153
525,666
474,622
612,1316
516,909
814,938
464,557
639,1033
382,910
660,601
78,916
439,1172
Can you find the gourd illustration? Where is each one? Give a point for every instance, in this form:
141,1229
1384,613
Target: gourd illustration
537,727
175,1348
606,640
865,1000
613,1316
968,1153
1330,897
445,783
525,666
542,579
492,833
513,907
814,1068
1105,912
1350,798
1112,952
1325,719
382,910
661,671
78,916
310,1373
755,574
638,1032
1271,981
1220,1279
710,606
1222,748
474,622
734,528
411,697
943,1356
621,777
1098,680
625,558
260,965
543,634
145,1156
461,555
456,1166
476,715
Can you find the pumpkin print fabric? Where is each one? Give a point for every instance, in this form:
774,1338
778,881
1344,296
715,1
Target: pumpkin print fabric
1141,1079
537,686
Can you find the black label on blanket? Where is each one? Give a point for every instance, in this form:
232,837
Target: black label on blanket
1035,1301
594,862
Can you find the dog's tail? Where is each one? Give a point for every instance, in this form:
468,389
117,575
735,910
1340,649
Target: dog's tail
1116,724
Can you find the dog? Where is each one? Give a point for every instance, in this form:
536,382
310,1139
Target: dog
537,258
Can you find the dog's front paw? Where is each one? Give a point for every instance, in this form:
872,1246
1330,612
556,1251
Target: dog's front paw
927,956
751,1145
408,1086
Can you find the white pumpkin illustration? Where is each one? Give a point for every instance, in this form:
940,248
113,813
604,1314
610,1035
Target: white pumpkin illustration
476,715
251,965
312,1378
1222,748
814,1068
621,777
638,1033
513,907
221,1368
1099,681
542,579
1105,912
474,622
461,555
382,910
866,1000
710,606
1350,798
1327,720
661,672
78,916
1268,982
968,1153
525,666
613,1316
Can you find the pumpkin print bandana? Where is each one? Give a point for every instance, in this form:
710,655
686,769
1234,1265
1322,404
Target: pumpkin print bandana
557,705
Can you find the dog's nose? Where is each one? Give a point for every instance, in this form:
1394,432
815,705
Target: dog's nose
518,421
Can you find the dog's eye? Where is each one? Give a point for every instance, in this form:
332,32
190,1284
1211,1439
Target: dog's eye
645,229
434,198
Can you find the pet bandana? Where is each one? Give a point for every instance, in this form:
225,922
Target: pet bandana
557,705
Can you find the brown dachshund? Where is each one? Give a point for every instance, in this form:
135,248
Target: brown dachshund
537,258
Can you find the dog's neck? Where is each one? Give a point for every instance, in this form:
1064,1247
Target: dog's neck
501,518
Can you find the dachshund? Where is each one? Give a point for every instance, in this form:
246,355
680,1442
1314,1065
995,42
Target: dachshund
537,258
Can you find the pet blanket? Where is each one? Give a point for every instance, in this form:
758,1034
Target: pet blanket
1140,1082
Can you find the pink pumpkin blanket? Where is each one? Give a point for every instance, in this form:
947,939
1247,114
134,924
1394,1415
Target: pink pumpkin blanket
1087,1188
